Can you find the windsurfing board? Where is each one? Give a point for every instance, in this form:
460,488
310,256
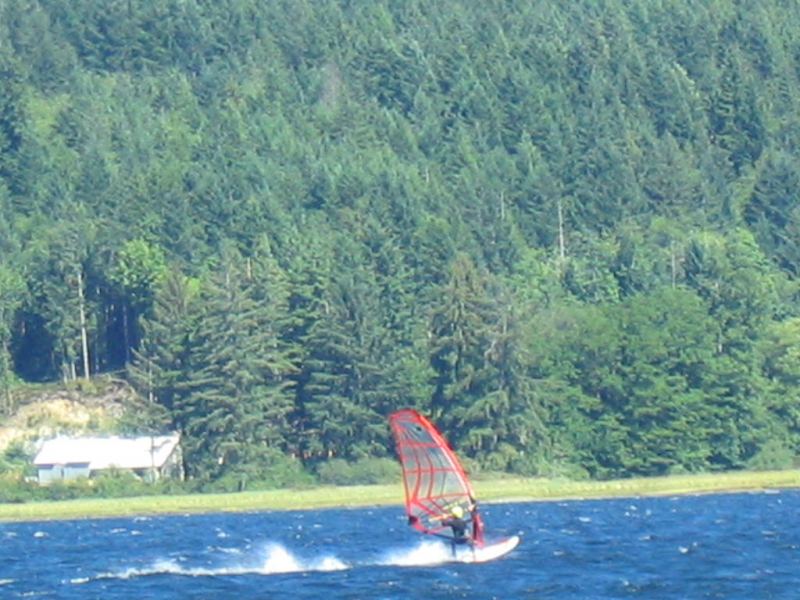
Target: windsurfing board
489,551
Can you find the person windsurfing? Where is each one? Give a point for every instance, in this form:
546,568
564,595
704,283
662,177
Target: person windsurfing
438,493
435,483
458,525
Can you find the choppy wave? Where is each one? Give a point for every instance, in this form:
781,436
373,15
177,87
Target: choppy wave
277,559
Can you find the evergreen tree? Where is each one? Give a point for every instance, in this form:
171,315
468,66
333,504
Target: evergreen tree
12,294
732,275
461,328
348,382
773,213
161,365
236,403
780,349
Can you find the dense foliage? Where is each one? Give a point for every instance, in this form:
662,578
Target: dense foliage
570,232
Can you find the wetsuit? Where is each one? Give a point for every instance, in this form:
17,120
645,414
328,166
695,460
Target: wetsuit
459,529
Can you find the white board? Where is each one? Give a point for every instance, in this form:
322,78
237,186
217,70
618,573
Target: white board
489,551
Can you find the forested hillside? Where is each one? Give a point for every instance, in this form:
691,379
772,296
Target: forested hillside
568,231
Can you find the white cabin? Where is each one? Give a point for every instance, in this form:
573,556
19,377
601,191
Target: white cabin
149,457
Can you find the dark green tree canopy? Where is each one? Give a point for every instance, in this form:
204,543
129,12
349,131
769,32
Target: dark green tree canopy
567,231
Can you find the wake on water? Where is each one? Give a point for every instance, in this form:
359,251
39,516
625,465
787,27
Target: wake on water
277,559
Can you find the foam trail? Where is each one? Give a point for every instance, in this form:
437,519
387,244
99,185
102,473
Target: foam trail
423,554
278,560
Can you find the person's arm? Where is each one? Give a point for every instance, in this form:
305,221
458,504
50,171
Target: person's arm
443,518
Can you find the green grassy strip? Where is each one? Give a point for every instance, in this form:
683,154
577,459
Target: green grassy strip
543,489
378,495
286,499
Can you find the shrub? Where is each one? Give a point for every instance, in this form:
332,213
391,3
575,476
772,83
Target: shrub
282,472
363,471
272,470
772,456
14,489
66,490
118,484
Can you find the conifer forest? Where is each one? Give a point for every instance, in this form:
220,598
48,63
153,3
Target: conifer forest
568,232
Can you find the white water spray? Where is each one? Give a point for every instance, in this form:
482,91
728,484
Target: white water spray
277,559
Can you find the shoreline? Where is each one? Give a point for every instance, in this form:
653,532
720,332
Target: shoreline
489,491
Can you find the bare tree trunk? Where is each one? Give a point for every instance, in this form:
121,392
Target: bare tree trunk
153,471
673,263
5,379
151,397
84,335
8,401
125,333
562,244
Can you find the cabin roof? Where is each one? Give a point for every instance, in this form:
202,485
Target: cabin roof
108,452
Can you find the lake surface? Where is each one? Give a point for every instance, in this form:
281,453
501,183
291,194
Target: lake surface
720,546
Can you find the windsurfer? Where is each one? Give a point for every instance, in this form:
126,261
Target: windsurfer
435,482
458,525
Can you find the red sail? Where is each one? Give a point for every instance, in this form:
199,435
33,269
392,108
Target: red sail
433,477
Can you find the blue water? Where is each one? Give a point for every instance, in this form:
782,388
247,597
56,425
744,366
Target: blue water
722,546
